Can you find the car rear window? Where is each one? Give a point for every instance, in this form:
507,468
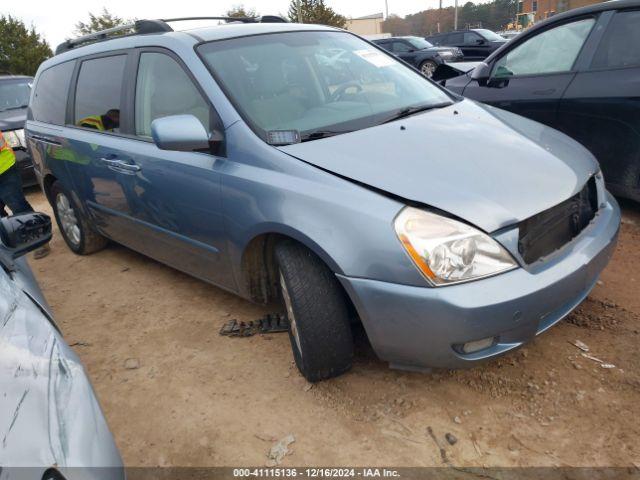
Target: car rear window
99,92
14,94
49,103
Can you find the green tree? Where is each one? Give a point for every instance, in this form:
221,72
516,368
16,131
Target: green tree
240,11
99,22
22,49
396,26
315,11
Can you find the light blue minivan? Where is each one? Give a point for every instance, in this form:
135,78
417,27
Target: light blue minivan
302,163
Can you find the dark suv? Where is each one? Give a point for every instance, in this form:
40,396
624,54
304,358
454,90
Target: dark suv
14,99
476,44
420,53
577,72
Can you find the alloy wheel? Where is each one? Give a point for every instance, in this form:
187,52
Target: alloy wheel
290,315
428,68
68,219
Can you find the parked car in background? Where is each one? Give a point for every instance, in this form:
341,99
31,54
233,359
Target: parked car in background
14,100
454,231
578,72
476,43
418,52
51,425
509,34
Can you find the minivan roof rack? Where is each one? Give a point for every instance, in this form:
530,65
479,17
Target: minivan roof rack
141,27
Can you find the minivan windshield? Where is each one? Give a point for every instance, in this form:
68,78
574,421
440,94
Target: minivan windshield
14,94
317,83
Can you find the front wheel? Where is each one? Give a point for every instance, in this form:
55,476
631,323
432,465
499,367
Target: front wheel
428,67
76,228
320,331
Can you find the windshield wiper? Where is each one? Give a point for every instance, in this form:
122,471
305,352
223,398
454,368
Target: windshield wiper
318,134
408,111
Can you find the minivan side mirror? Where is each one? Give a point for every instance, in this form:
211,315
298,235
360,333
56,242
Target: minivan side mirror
21,234
182,133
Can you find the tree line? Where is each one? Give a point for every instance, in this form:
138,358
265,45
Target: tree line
23,49
494,15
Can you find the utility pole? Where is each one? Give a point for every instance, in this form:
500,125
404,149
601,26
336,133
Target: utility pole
300,11
386,9
455,17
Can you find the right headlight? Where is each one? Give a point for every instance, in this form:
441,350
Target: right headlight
13,138
447,251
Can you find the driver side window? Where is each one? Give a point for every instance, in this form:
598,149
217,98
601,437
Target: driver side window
471,38
163,88
552,51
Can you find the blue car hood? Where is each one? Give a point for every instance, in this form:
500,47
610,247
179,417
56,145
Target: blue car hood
485,165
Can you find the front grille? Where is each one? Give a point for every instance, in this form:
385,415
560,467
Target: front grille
550,230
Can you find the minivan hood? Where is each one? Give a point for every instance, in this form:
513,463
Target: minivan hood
487,166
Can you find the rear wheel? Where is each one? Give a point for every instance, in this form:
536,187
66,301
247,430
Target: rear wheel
76,229
428,67
320,330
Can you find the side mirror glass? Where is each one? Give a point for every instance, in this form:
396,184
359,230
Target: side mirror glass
182,133
481,73
480,41
21,234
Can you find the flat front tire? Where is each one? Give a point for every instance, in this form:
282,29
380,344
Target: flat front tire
316,307
75,227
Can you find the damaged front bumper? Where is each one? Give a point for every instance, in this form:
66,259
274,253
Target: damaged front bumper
417,328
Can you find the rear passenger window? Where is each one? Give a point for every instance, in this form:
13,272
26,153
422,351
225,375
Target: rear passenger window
98,93
163,89
401,47
620,46
49,103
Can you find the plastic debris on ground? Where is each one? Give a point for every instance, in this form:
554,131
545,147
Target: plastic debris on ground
279,450
271,323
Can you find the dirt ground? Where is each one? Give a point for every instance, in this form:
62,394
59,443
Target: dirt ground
198,399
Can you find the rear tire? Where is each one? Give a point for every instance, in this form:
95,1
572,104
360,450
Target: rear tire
428,67
320,330
77,231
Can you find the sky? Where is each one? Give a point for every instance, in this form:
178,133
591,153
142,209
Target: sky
55,19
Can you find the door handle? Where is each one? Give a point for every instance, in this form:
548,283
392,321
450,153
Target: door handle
43,139
548,91
120,166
